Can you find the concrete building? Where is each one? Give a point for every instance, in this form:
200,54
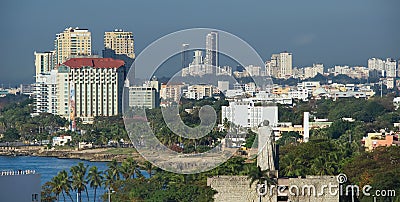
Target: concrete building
247,114
311,72
212,49
185,55
61,140
376,64
44,62
398,68
280,65
374,140
198,66
171,92
72,42
253,70
199,92
390,68
224,71
20,186
147,96
45,93
141,96
27,89
223,86
120,41
90,87
341,70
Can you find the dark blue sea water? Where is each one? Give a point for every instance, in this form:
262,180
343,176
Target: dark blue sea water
48,167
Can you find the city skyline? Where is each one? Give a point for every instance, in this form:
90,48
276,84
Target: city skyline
315,32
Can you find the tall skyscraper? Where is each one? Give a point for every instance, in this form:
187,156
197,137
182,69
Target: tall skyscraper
121,42
211,49
280,65
185,55
44,62
73,42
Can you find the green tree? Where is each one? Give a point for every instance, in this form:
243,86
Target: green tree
95,179
78,179
66,184
11,135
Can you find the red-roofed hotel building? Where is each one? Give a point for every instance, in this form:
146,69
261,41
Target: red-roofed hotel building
90,87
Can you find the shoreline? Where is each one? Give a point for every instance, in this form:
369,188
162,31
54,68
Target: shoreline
93,155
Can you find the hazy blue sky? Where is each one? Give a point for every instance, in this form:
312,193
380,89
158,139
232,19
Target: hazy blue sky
331,32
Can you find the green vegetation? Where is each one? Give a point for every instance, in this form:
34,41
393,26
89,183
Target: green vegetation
16,124
168,138
379,168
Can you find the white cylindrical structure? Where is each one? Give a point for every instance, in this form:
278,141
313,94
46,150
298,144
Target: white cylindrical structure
306,126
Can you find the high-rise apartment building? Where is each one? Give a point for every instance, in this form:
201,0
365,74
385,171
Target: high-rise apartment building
376,64
212,49
390,68
121,42
45,93
198,66
44,62
72,42
185,55
310,72
280,65
398,68
90,87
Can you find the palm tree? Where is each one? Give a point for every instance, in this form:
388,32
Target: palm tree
78,179
293,168
261,176
113,167
66,184
322,166
109,179
56,186
130,168
147,166
95,179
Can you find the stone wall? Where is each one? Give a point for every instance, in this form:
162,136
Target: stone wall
235,189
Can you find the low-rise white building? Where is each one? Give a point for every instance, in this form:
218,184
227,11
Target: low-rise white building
61,140
246,114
